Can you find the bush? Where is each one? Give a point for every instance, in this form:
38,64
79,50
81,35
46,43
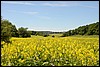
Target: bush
64,35
45,35
53,36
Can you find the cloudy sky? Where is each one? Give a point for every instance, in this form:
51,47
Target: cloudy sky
50,15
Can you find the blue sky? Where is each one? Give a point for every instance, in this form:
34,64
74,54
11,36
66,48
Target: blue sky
50,15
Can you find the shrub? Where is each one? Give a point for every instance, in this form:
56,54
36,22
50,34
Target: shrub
45,35
53,36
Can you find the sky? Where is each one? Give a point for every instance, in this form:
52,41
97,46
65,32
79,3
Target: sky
55,16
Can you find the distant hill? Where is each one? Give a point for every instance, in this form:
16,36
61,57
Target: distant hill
91,29
46,32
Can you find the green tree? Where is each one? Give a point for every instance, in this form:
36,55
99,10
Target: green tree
6,27
14,31
23,32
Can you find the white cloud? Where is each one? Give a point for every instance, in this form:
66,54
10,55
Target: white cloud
44,17
52,4
31,13
68,3
88,6
28,12
17,2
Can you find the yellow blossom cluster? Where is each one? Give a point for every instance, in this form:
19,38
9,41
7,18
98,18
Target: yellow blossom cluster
42,51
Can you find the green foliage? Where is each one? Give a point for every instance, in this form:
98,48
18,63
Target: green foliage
91,29
9,30
42,33
6,30
53,36
23,32
14,31
64,35
8,27
39,33
45,35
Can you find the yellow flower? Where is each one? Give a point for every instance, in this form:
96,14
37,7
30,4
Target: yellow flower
60,54
19,60
22,60
66,48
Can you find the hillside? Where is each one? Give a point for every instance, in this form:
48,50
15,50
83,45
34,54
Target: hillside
91,29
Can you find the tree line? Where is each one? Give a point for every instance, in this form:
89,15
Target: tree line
91,29
9,30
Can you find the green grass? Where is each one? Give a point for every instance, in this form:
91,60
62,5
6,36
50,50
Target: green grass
59,35
56,35
86,36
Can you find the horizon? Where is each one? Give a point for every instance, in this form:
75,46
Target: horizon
56,16
62,30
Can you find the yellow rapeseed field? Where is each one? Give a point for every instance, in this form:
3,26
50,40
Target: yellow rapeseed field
62,51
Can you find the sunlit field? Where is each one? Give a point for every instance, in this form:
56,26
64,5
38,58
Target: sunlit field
51,51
